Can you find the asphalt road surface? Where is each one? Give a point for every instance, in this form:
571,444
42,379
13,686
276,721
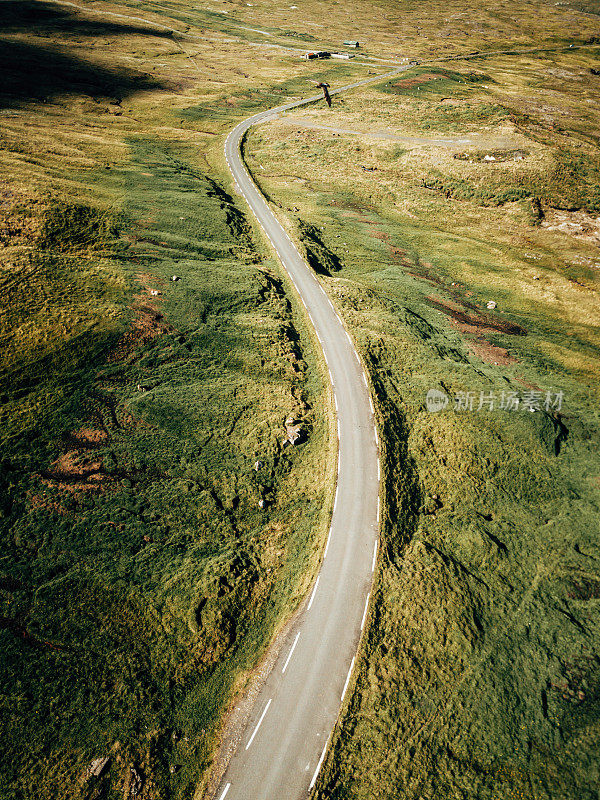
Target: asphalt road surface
283,747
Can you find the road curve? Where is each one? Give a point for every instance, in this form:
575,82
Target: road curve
283,747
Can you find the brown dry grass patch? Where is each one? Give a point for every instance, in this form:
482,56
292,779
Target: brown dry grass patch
473,321
490,353
148,323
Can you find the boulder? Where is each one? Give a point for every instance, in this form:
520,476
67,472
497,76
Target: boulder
97,767
136,782
294,430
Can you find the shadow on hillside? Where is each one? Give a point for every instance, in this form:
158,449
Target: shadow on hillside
32,72
23,16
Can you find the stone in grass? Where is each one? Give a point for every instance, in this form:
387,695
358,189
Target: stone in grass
136,782
97,767
491,305
431,505
294,430
262,503
175,278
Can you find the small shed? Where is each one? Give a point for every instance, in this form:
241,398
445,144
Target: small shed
351,43
317,54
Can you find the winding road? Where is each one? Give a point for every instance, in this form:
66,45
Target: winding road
292,719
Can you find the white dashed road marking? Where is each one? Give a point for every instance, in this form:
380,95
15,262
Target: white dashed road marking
225,790
318,769
259,723
287,661
362,624
348,677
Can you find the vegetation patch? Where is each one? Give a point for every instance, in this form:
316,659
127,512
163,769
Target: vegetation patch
323,260
435,81
570,184
460,189
69,227
181,525
490,156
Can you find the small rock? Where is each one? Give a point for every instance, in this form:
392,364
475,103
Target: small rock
294,431
261,503
175,278
154,292
491,304
98,766
257,465
136,783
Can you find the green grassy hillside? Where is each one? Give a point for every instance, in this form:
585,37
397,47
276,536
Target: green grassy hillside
156,531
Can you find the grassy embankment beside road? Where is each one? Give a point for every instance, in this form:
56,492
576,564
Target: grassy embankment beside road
480,668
